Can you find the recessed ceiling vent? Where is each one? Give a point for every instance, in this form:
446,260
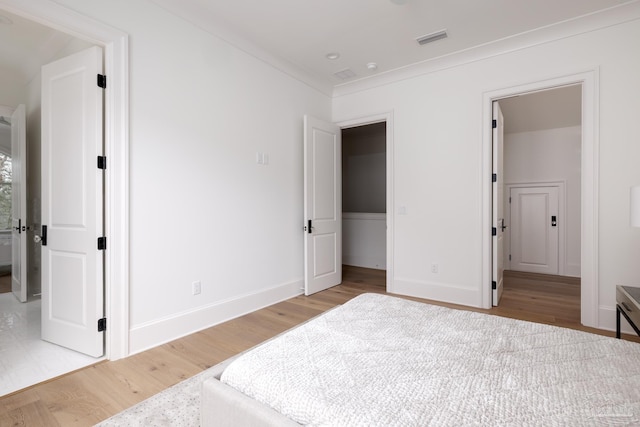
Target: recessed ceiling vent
344,74
439,35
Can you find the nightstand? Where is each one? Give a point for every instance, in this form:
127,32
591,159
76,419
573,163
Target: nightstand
628,303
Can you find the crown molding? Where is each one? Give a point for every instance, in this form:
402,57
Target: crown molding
616,15
196,14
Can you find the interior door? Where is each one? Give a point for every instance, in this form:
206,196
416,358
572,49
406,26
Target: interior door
498,204
534,229
19,203
322,205
72,202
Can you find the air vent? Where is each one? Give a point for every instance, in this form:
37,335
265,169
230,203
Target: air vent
345,74
432,37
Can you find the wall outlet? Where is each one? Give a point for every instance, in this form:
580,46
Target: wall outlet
196,288
434,268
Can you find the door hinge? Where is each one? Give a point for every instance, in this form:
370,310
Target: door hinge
494,124
102,324
494,285
494,231
494,177
102,81
102,243
509,257
509,199
102,162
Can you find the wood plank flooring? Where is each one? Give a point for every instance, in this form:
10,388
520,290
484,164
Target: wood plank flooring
92,394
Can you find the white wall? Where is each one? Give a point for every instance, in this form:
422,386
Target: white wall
201,208
364,240
544,156
438,159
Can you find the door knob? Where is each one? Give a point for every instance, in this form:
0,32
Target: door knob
502,226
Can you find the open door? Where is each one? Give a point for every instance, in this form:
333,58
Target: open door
72,203
19,203
322,205
498,203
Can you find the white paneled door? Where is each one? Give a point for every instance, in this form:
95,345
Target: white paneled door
498,204
72,203
19,204
534,229
322,205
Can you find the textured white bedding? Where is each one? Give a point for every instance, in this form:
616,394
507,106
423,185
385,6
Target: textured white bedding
380,360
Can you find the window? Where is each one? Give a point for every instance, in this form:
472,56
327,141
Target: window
5,192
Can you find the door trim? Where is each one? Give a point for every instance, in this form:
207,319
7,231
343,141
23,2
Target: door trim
386,117
589,184
116,123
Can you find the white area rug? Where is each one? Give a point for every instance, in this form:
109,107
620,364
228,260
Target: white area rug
177,406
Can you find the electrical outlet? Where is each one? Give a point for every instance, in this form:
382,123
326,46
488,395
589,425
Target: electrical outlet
434,268
196,288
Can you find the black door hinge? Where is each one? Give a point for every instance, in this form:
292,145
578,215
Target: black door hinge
102,162
494,285
494,177
102,243
494,124
494,231
102,81
102,324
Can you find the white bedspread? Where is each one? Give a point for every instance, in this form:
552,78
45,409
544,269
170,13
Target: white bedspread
385,361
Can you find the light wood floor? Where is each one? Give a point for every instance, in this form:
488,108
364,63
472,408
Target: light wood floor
93,394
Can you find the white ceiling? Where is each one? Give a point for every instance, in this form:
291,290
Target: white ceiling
297,34
302,32
549,109
25,46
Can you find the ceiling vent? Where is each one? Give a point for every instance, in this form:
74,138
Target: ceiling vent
439,35
344,74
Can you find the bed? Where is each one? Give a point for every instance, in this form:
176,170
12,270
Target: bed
387,361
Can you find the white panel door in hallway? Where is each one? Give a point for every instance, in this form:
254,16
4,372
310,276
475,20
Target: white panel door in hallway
534,229
72,203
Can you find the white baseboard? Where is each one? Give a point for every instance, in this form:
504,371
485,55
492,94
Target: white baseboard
454,294
607,321
365,262
152,334
572,270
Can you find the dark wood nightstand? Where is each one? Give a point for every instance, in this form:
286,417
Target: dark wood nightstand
628,303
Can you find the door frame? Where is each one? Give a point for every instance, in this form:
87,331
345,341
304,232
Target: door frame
386,117
116,135
589,81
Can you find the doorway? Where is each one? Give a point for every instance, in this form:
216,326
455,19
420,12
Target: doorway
379,128
116,147
542,160
364,196
578,257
